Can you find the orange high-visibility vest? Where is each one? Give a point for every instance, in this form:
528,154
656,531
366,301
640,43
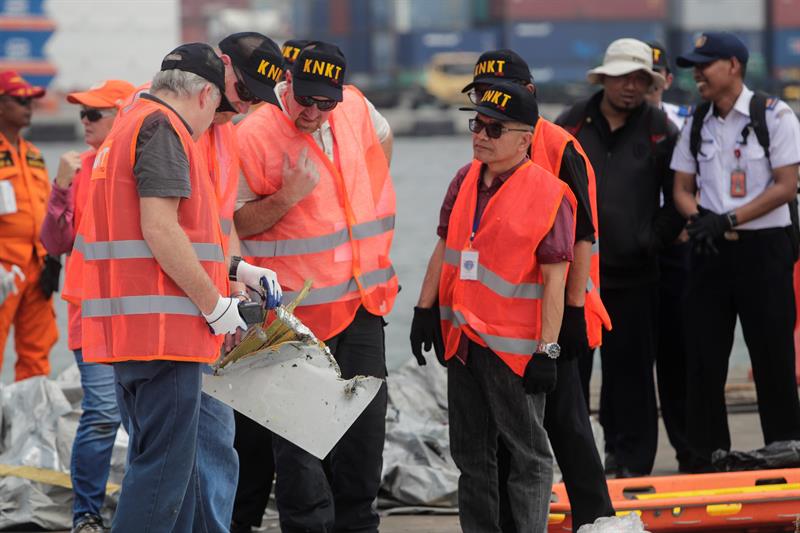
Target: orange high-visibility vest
502,309
130,308
219,145
547,149
340,234
23,167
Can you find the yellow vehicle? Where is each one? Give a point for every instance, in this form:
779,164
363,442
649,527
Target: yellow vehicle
448,73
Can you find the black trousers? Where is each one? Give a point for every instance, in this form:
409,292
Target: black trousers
671,347
628,411
751,278
566,420
253,443
337,494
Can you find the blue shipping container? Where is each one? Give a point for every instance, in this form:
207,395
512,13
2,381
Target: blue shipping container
429,15
786,46
414,50
23,44
553,44
21,8
357,50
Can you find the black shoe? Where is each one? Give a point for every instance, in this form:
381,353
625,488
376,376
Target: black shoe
89,523
240,528
623,472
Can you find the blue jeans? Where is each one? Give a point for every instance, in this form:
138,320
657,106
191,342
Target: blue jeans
94,440
217,466
159,490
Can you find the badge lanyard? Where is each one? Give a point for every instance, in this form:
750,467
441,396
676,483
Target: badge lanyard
468,269
738,175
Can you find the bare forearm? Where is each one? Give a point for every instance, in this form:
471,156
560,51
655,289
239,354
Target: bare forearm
578,276
782,191
260,215
429,292
553,300
684,193
234,249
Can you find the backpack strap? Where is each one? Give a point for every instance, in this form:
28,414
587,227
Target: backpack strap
758,118
695,140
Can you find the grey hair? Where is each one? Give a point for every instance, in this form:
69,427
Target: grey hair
182,83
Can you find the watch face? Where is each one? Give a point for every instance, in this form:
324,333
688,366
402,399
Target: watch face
552,349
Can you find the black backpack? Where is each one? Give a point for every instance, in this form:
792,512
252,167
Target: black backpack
758,124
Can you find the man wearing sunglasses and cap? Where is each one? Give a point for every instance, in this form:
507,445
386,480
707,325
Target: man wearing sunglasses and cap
291,49
629,144
154,283
741,150
100,416
509,236
24,188
567,416
318,203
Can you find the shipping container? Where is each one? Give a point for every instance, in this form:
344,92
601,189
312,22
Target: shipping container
785,13
704,15
21,8
357,50
23,45
415,49
786,48
432,15
550,45
516,10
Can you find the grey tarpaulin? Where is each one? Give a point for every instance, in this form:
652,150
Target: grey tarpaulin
38,421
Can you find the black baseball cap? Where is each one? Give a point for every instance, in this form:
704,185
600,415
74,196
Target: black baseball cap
291,49
319,71
200,59
660,58
506,101
500,65
713,45
258,60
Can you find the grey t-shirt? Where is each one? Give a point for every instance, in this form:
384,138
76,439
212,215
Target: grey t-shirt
161,166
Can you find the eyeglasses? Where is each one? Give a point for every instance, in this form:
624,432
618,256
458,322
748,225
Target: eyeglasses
322,105
24,101
493,129
93,115
245,94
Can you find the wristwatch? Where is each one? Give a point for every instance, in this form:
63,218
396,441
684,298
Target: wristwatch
550,349
235,260
733,220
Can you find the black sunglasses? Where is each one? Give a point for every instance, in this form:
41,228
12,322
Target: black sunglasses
93,115
24,101
245,94
493,129
322,105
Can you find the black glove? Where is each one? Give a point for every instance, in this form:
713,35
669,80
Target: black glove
51,271
540,375
572,338
704,228
426,330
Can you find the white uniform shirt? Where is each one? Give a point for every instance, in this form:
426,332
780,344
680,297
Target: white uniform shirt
323,137
720,137
674,112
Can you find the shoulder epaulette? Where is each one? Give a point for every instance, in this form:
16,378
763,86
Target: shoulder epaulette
685,110
772,101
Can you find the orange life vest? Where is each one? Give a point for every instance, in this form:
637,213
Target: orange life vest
23,167
219,145
502,309
340,234
130,308
547,150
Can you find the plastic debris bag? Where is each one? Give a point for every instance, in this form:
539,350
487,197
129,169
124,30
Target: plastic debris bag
630,523
780,454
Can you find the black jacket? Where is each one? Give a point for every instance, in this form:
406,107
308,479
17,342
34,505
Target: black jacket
631,166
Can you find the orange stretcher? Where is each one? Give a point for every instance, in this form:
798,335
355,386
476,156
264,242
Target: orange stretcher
757,501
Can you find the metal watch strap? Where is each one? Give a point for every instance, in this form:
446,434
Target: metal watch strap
235,260
732,219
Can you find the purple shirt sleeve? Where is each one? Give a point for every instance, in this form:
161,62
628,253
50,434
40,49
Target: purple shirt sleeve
557,246
450,201
57,234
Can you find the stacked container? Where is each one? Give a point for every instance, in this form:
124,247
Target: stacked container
786,40
24,31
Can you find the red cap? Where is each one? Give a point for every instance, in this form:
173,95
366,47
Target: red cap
12,84
110,93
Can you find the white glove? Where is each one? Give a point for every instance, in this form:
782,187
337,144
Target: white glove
225,317
262,280
8,284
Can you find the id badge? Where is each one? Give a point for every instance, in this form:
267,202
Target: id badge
469,265
738,183
8,200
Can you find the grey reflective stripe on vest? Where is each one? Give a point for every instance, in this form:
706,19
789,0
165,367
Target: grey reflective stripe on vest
325,295
525,291
226,224
95,251
495,342
138,305
312,245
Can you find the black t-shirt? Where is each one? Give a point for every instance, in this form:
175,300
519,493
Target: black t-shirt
161,166
573,173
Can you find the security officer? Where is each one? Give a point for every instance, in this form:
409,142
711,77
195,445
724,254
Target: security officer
676,113
24,189
742,244
629,144
566,416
